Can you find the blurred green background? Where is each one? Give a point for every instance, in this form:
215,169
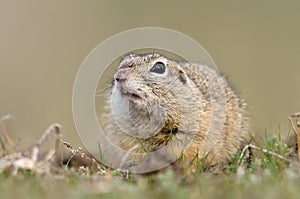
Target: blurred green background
42,44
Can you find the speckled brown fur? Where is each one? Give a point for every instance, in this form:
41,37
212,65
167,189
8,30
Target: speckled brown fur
191,80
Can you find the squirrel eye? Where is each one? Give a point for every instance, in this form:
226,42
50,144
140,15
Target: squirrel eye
158,67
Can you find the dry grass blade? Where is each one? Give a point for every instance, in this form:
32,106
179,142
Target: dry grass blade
5,140
28,159
296,129
39,161
79,151
53,128
264,151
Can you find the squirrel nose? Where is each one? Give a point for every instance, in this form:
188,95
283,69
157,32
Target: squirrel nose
120,76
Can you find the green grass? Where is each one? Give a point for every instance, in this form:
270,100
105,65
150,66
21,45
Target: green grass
265,176
264,185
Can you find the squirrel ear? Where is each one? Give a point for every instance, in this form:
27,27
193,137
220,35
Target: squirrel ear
182,76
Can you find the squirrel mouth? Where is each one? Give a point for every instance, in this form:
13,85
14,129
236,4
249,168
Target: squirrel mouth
132,96
129,93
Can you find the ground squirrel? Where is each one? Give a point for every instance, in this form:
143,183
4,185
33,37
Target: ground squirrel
156,101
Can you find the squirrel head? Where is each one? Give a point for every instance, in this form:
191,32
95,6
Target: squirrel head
146,92
139,76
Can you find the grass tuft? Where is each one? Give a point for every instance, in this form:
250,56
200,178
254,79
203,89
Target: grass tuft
267,167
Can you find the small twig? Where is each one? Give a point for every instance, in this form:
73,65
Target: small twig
52,128
296,130
264,151
49,155
293,126
74,151
242,153
28,159
5,117
4,138
34,155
